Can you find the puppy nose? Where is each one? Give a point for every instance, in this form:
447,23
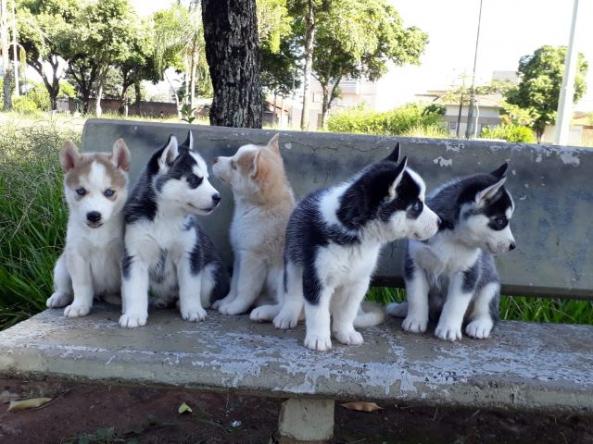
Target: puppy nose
512,246
93,216
216,198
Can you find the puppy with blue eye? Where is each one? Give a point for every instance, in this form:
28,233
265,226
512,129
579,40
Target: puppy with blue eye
95,188
166,251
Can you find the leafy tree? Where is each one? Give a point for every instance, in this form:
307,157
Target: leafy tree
43,27
99,38
540,82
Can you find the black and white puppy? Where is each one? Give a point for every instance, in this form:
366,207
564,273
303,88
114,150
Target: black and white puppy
333,241
166,251
452,277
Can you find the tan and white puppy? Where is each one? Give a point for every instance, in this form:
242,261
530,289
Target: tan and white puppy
263,203
95,187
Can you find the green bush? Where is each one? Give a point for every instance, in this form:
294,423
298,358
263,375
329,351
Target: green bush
24,105
66,89
32,216
395,122
510,133
40,96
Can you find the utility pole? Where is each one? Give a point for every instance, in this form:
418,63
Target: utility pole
567,90
470,130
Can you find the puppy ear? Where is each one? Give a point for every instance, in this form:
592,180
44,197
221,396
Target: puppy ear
69,156
189,141
120,155
273,143
394,155
170,153
501,171
489,192
398,174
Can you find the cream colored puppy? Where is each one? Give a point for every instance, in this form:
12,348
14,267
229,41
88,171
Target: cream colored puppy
263,203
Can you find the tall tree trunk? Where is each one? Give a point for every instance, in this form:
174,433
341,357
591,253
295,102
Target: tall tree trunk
232,51
325,104
309,42
7,90
138,92
192,73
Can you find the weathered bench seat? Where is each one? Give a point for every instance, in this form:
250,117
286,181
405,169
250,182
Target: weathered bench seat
523,365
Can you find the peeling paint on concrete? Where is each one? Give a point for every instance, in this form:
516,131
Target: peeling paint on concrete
517,368
570,158
442,162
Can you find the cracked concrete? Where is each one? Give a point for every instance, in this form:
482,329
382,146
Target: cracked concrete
523,366
552,187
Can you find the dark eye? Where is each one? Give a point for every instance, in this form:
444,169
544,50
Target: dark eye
81,191
417,206
194,181
500,221
108,192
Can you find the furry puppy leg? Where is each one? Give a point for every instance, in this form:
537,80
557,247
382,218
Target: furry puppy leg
62,295
190,285
345,310
317,319
234,285
481,320
82,285
275,286
417,289
134,293
252,272
459,295
292,305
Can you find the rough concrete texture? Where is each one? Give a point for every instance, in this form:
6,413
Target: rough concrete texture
553,190
308,420
524,365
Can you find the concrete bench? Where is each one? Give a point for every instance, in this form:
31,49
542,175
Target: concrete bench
523,365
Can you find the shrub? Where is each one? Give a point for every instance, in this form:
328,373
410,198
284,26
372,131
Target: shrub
24,105
32,216
395,122
40,96
510,133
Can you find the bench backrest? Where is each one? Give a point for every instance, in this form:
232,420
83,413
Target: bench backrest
552,188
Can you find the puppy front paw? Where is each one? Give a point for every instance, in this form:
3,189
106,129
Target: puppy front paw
193,314
233,308
58,300
448,331
415,324
318,342
479,328
349,337
132,320
226,300
264,313
75,310
284,321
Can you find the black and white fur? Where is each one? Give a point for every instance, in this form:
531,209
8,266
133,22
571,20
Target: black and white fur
333,241
166,251
452,277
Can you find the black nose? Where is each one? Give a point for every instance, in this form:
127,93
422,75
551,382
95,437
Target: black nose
216,198
512,246
93,216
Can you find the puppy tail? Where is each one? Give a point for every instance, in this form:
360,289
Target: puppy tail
397,309
369,315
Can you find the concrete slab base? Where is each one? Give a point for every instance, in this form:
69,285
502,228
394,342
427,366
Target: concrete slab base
306,421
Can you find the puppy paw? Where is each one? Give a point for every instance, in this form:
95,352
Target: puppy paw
226,300
351,337
284,321
318,342
415,324
265,313
193,314
75,310
232,308
479,328
58,300
448,332
397,309
132,320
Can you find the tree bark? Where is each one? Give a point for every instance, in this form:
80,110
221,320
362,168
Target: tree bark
138,92
232,51
309,41
7,91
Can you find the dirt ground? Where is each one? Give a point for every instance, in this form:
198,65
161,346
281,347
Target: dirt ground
90,413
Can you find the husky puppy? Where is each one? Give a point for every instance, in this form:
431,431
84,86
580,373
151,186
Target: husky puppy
452,277
263,203
333,241
166,252
95,187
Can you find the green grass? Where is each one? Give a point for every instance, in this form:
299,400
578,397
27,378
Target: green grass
33,222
